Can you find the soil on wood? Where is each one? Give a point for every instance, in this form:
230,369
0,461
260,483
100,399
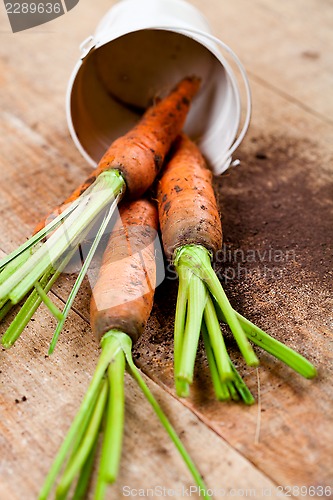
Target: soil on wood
276,268
276,210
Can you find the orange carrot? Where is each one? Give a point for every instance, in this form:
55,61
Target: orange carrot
188,210
191,234
129,166
139,154
121,304
123,295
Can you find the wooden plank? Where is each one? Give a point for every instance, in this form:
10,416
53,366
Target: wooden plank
284,45
275,202
276,205
39,396
38,160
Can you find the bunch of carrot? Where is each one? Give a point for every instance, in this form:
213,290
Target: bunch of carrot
128,168
121,303
123,295
192,233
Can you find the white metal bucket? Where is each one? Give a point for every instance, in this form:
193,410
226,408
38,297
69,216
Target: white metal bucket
140,50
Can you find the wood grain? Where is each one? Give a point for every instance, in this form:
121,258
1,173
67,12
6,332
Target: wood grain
284,45
39,397
280,198
276,204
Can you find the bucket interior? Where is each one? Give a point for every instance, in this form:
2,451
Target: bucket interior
119,80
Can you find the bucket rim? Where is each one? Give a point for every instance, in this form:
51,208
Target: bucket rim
225,159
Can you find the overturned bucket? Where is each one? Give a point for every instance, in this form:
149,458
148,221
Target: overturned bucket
140,50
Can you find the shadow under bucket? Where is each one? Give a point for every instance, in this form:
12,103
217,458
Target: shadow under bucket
140,51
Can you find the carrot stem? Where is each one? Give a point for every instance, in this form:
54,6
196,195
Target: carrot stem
70,443
3,302
197,259
273,346
85,475
233,393
195,307
7,306
33,302
290,357
114,426
221,389
24,315
242,388
217,342
195,310
87,443
82,274
105,396
127,346
13,265
55,311
108,185
109,350
233,389
182,387
36,238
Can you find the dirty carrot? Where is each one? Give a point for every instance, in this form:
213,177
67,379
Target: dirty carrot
120,307
127,168
192,234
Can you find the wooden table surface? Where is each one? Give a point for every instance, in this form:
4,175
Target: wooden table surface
278,200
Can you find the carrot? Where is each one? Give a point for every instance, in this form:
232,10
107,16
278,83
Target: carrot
120,307
187,206
129,166
139,154
191,234
123,295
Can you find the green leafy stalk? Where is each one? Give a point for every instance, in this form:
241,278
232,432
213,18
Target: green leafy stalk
13,265
107,186
182,387
273,346
242,388
195,307
109,350
82,274
33,302
104,400
194,260
126,344
198,260
7,306
280,351
48,302
234,385
3,302
87,444
225,390
25,314
221,389
32,242
114,426
85,475
217,342
194,303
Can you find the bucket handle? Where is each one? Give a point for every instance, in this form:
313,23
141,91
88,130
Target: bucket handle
226,159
